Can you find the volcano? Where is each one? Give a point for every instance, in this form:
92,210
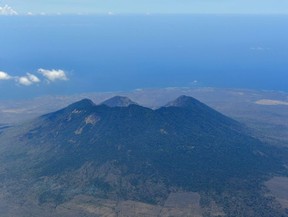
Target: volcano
121,151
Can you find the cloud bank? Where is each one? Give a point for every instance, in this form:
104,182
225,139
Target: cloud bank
30,79
53,75
7,10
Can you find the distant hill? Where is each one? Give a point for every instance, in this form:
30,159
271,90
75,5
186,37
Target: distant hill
121,151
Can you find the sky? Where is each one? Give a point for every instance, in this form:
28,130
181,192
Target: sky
36,7
183,43
62,55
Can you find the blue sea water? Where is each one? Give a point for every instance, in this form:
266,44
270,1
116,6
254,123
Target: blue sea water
108,53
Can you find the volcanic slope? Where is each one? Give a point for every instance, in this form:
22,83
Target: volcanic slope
120,151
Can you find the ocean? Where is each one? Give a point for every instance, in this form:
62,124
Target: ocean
126,52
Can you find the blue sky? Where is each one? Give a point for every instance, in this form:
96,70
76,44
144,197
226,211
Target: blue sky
44,55
147,6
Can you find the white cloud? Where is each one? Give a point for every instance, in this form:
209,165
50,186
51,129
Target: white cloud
53,75
24,81
33,78
28,80
7,10
4,76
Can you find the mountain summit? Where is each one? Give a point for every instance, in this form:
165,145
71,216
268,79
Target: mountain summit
184,101
118,101
82,104
122,152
